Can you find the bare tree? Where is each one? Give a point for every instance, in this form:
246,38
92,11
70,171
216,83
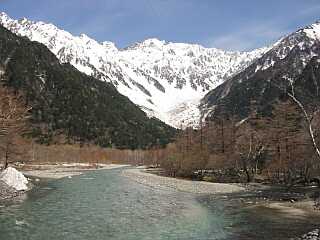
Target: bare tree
308,112
13,116
308,118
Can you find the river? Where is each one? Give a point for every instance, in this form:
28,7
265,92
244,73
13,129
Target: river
105,205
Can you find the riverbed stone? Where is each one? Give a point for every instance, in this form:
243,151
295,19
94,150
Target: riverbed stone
6,191
314,235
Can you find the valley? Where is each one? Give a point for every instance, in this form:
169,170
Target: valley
159,139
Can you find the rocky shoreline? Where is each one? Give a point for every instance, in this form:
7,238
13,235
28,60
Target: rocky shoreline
7,192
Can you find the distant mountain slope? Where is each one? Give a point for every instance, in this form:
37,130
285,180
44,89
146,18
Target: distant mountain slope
67,101
286,65
162,78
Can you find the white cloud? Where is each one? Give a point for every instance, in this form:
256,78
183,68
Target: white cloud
259,34
230,42
248,37
310,10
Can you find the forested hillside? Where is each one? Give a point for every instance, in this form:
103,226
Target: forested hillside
68,103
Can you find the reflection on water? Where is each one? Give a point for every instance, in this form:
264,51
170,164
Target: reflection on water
104,205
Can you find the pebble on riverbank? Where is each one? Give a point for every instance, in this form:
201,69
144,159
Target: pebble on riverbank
314,235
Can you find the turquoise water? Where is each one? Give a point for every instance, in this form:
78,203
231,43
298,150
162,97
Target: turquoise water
105,205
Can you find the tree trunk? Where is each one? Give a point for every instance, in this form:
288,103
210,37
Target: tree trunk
6,162
248,175
309,122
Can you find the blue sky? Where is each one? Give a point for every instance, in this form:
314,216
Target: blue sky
226,24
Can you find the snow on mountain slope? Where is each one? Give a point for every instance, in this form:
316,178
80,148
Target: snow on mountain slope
313,31
283,65
167,80
301,41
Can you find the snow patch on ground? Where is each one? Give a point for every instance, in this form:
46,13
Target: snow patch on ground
14,179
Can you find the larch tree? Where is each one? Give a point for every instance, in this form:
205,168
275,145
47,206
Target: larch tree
250,143
285,131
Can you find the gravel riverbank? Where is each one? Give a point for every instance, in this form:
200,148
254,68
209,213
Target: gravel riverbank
152,180
58,171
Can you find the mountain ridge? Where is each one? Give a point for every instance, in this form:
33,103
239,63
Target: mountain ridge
158,76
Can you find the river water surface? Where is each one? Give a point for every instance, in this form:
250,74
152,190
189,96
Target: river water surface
104,205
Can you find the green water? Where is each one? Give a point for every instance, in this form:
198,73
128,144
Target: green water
105,205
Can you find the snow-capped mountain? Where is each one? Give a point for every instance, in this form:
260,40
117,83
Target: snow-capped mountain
167,80
300,41
285,66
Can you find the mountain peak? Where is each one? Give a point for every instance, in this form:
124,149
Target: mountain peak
85,38
23,20
313,31
3,14
109,45
4,17
152,42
